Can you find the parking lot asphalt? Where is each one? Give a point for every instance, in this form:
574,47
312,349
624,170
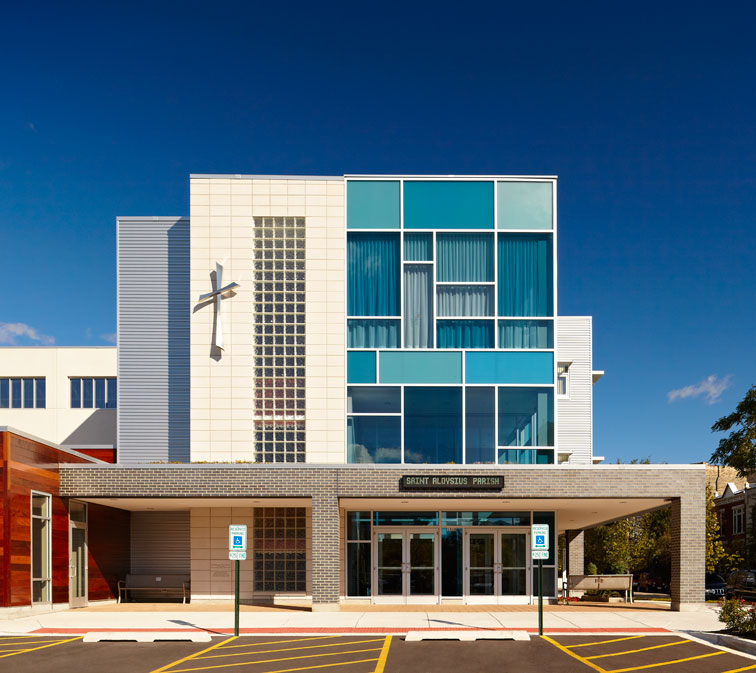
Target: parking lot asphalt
372,654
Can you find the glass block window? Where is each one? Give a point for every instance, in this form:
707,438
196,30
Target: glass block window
22,393
93,393
280,549
279,298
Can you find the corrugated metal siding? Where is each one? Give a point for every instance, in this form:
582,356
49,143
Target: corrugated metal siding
160,543
153,339
575,414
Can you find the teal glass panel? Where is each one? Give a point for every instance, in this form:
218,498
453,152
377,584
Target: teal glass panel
448,204
485,518
364,333
526,417
405,518
465,258
548,519
465,334
524,205
433,425
526,333
480,417
418,247
361,367
451,562
525,456
374,439
373,274
374,400
465,300
509,368
420,367
373,204
525,275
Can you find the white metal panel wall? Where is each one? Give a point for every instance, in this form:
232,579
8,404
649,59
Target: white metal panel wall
153,339
575,413
160,543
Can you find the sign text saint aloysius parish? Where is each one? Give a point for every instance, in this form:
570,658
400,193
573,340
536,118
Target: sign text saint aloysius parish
451,482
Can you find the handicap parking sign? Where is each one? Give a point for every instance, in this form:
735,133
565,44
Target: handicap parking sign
540,536
237,538
540,540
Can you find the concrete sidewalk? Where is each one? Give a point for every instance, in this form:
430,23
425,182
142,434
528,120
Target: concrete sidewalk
162,617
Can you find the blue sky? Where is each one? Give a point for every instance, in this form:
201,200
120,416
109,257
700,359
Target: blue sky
645,112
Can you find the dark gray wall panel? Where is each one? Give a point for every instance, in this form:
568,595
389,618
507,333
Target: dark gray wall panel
160,543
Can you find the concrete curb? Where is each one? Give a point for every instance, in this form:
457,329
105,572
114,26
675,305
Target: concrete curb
743,645
145,636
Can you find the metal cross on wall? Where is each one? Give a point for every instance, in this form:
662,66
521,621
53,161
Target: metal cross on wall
216,294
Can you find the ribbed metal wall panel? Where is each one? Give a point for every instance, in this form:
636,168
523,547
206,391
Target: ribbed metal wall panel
575,414
153,339
160,543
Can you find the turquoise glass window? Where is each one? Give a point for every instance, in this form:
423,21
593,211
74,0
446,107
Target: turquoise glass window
465,334
418,247
433,425
525,275
480,417
373,285
465,258
526,333
374,439
524,205
366,333
525,456
497,367
448,204
361,367
373,204
526,417
405,518
420,367
465,300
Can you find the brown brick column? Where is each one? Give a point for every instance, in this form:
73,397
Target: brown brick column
688,550
575,552
325,550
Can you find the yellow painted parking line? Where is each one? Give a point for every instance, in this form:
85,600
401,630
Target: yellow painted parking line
40,647
665,663
738,670
31,642
384,653
288,649
582,660
207,649
276,642
604,642
642,649
269,661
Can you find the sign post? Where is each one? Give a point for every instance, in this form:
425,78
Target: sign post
237,551
539,536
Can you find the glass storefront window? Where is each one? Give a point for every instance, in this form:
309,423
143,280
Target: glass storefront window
358,525
40,548
451,562
485,518
358,568
405,519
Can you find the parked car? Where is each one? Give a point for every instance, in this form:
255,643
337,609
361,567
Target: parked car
715,586
741,584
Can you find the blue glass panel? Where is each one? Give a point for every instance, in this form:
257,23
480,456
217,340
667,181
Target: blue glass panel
41,393
28,393
451,562
446,204
526,417
465,300
361,367
405,518
373,204
374,400
4,393
465,334
99,393
526,334
365,333
373,274
509,367
524,205
16,393
433,425
548,519
485,518
374,439
112,394
87,393
420,367
525,275
418,306
480,442
465,258
75,393
525,456
418,247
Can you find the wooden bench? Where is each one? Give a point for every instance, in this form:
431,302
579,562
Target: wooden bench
164,585
601,583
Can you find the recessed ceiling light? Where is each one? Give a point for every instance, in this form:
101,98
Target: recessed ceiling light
623,502
404,502
594,512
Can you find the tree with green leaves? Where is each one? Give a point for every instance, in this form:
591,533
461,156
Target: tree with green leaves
738,449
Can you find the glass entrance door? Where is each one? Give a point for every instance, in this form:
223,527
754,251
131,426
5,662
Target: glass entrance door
514,564
496,567
481,565
406,566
